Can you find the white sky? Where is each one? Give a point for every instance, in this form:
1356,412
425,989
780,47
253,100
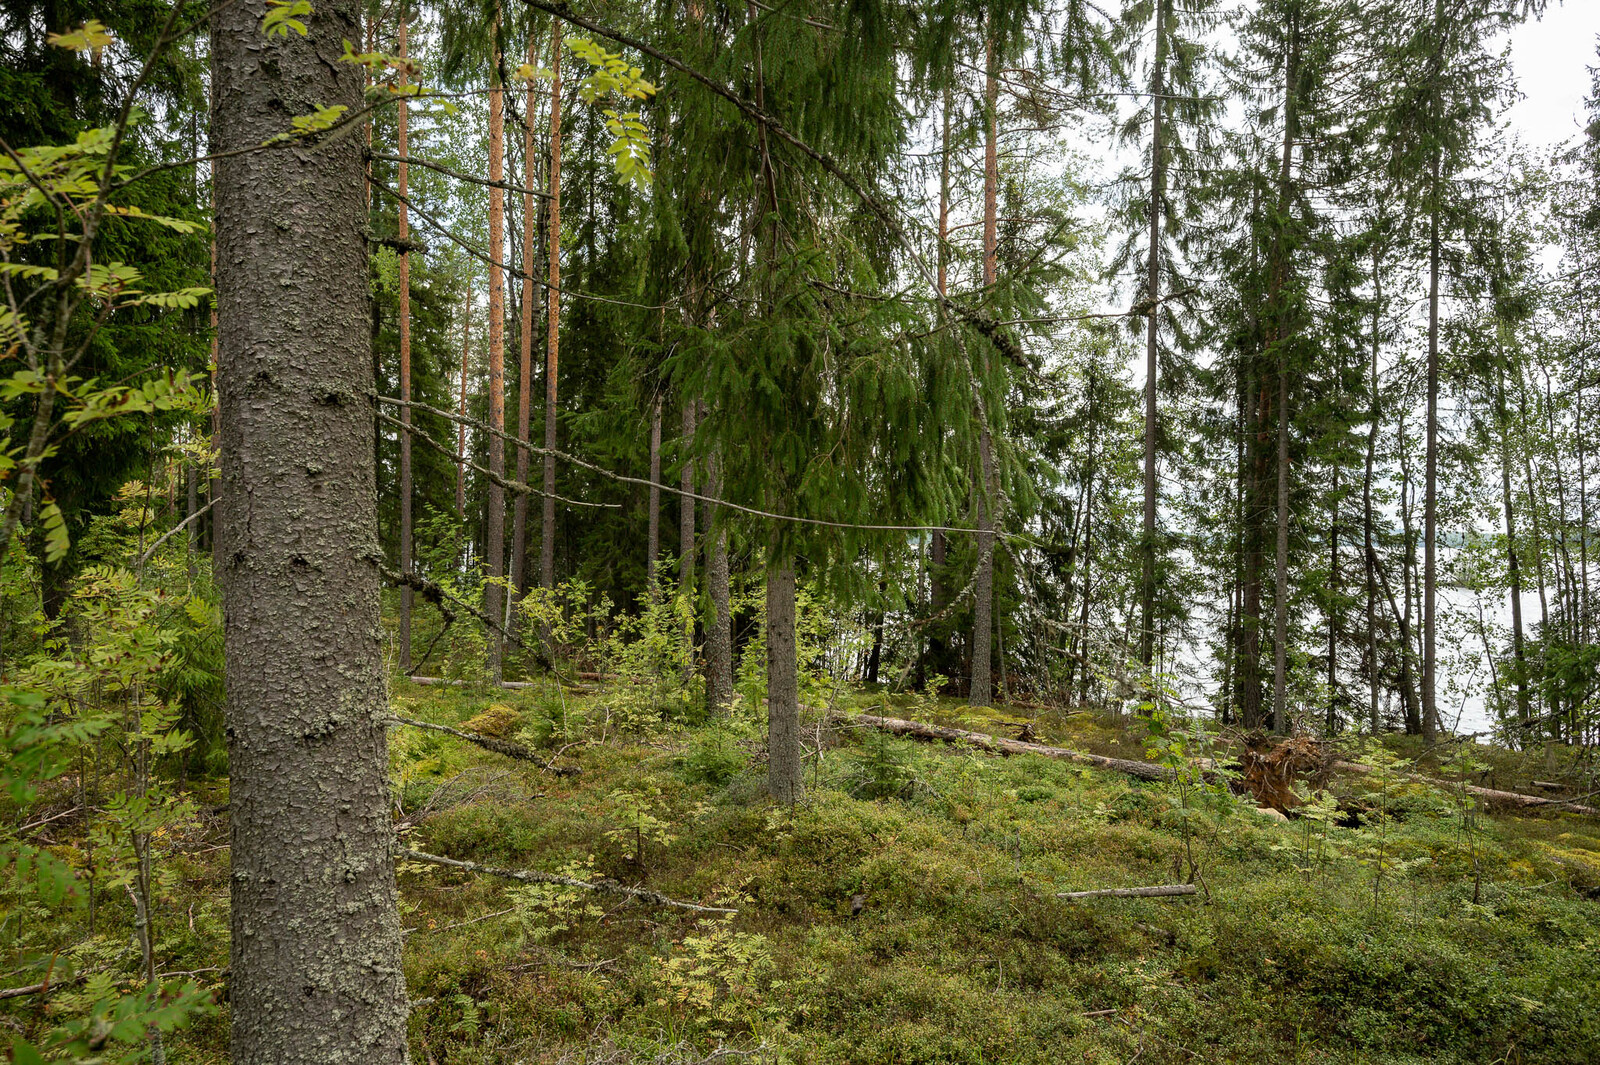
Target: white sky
1551,60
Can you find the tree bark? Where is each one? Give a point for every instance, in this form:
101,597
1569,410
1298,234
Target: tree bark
936,552
547,540
784,781
403,232
316,968
495,516
686,512
1513,564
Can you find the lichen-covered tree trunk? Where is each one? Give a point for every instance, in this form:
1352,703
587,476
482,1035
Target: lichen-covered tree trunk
979,692
552,339
316,971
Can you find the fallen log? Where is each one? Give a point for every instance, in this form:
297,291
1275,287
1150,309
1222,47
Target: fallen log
921,730
513,685
1490,795
1159,892
1147,771
528,876
489,743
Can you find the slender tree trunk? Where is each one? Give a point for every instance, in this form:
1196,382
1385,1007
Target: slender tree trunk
686,513
1086,595
461,429
315,965
530,243
652,546
403,231
1513,564
547,541
784,780
1280,334
1374,418
1408,565
1333,608
1430,505
937,595
719,635
495,518
1158,173
980,693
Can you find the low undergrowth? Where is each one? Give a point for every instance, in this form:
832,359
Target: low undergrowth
907,911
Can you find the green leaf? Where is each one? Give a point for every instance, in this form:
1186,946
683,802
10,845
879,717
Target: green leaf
285,15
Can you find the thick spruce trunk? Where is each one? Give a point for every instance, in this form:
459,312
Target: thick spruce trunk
686,513
316,973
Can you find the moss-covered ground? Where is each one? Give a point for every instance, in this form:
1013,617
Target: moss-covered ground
1435,934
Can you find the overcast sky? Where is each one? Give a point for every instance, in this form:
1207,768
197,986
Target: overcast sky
1551,59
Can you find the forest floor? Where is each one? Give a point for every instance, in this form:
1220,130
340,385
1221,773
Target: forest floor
907,912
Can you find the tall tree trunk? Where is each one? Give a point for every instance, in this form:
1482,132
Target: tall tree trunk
1513,563
316,967
1087,553
652,544
461,429
547,541
980,693
1280,335
1158,174
495,518
719,633
1430,505
530,243
937,594
784,780
1333,607
403,231
686,512
1408,560
1373,415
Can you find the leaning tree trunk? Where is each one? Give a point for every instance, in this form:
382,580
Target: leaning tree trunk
494,534
783,681
316,974
552,361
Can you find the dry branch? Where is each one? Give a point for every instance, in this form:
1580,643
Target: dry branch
528,876
489,743
1160,892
